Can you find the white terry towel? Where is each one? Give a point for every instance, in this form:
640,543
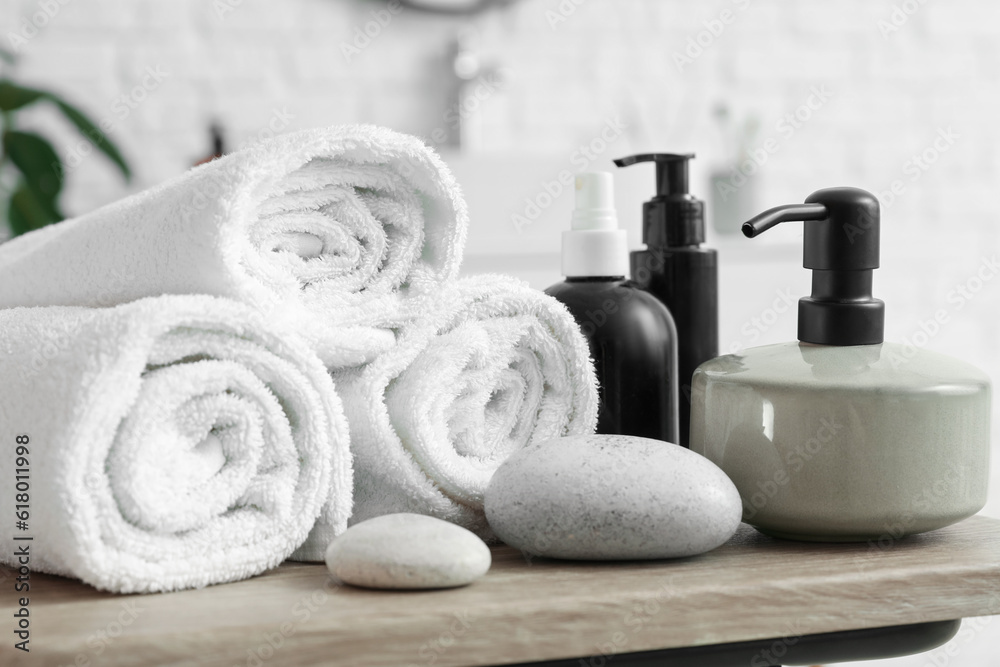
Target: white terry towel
172,442
489,366
319,227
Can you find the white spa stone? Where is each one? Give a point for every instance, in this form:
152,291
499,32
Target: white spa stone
611,497
400,551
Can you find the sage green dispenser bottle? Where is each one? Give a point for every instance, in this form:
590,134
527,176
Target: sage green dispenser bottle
841,436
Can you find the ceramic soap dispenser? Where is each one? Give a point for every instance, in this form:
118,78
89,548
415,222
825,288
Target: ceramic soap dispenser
841,436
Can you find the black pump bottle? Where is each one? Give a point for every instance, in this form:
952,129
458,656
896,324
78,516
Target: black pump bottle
631,334
677,269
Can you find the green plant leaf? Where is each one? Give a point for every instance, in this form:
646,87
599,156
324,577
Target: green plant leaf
39,164
94,133
27,212
13,96
16,221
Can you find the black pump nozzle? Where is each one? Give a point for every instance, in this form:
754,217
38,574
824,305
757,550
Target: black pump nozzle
673,217
841,246
788,213
671,170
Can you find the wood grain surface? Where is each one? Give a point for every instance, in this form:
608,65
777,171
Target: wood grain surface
524,609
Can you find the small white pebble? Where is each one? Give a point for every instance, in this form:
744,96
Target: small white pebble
401,551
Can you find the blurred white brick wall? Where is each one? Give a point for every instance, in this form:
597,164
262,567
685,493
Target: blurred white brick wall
251,63
891,93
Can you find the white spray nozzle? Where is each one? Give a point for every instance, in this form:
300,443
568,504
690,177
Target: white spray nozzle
595,202
594,246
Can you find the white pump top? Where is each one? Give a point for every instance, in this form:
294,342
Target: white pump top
594,246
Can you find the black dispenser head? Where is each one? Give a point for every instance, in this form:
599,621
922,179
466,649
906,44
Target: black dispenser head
841,246
673,217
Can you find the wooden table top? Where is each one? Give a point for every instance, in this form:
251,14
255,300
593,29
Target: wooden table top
754,587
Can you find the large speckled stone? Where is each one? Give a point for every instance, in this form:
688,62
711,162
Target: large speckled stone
402,551
611,497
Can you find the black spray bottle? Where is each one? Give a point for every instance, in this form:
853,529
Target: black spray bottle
677,269
631,334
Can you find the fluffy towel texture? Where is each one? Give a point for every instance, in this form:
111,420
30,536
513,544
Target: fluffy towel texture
319,228
174,442
489,366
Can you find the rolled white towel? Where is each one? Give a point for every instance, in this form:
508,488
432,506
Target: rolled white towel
320,228
487,367
169,443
